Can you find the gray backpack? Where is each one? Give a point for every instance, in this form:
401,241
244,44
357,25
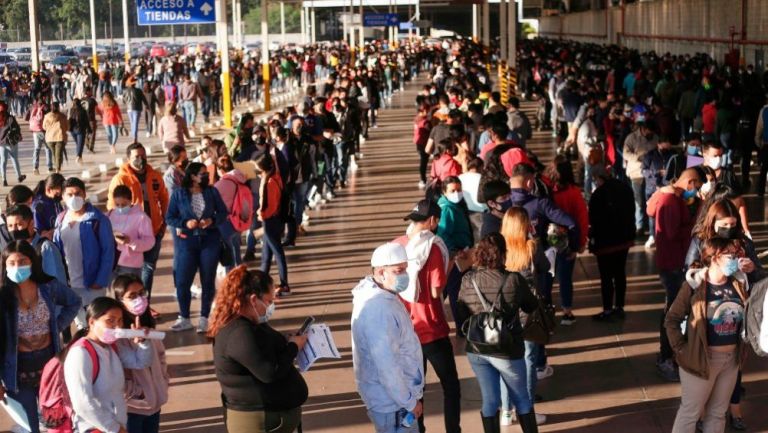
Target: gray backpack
753,316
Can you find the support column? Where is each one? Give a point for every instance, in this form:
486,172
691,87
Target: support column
474,22
95,55
223,47
303,25
512,34
503,29
418,17
282,22
34,36
362,30
486,23
126,35
265,55
314,24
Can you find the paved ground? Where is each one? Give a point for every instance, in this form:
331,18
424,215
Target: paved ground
604,373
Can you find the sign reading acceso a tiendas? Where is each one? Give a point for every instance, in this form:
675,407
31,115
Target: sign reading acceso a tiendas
380,20
169,12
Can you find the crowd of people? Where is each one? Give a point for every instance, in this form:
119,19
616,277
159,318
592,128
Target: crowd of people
495,229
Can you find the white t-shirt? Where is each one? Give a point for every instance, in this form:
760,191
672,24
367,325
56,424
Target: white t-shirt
73,252
470,184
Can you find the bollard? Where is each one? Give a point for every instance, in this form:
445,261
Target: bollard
85,175
119,162
102,168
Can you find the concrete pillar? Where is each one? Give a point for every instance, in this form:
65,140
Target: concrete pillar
282,23
486,23
126,36
474,21
314,24
503,29
34,36
303,25
512,33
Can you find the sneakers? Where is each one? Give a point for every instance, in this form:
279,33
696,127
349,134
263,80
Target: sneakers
182,324
619,313
603,316
202,325
422,184
283,291
540,419
36,172
329,195
650,243
668,370
568,319
543,373
508,417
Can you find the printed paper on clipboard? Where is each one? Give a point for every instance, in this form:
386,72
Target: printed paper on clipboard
320,344
16,412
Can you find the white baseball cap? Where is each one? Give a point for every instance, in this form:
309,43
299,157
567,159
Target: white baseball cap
389,254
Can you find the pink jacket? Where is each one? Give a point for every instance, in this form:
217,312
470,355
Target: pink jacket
146,391
138,227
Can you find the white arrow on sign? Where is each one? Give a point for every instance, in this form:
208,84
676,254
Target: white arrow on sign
206,8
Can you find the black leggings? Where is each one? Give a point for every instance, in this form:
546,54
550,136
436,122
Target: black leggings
613,278
423,162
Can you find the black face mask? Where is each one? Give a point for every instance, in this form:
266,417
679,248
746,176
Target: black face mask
727,232
184,164
204,180
20,235
139,163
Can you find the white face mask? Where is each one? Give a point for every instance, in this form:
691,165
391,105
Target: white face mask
706,188
454,197
715,162
75,203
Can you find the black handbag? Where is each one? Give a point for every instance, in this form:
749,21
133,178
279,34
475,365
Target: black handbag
540,326
489,331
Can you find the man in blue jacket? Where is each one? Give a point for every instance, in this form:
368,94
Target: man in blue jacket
84,236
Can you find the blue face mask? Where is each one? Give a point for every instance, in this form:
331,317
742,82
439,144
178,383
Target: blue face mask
730,267
689,194
19,274
123,210
401,282
692,150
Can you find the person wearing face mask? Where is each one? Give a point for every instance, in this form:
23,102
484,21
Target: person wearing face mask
46,204
233,188
262,391
636,145
429,260
84,236
148,194
132,230
268,212
19,221
172,128
146,390
489,282
95,362
195,213
386,354
674,208
56,126
177,163
654,169
454,227
495,195
710,310
35,308
714,158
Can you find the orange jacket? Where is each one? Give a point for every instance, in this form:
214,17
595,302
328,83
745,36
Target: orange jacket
158,195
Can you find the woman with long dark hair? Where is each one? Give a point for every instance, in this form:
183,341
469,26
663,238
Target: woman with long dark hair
79,127
268,212
46,204
194,214
35,308
262,390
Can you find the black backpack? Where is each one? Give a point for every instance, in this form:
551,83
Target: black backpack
753,316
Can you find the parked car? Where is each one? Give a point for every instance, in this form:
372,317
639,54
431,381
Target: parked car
158,51
61,61
7,61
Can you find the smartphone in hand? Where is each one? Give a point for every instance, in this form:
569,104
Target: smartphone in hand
305,326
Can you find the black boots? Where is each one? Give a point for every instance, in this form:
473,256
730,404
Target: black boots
527,422
491,423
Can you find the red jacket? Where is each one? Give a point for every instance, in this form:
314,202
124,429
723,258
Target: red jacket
444,167
709,117
674,223
421,129
571,201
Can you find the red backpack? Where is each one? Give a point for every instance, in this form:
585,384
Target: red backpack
55,406
242,206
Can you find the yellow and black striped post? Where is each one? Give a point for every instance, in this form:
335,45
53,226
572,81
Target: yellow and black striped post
503,81
512,82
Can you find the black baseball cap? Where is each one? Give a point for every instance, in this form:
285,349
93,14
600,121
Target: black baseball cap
423,210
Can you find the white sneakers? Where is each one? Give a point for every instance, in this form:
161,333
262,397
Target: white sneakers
202,325
422,184
545,372
509,417
181,324
650,243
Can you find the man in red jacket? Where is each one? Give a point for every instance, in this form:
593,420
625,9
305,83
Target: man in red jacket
674,209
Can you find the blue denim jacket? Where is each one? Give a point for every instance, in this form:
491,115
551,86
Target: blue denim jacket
62,302
98,245
180,211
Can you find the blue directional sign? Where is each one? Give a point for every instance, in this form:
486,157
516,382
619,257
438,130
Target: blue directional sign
170,12
380,20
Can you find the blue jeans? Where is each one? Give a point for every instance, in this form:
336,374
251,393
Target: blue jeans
150,264
232,239
79,138
564,272
272,246
134,115
12,153
638,190
143,423
342,161
190,254
190,112
491,372
38,138
299,202
112,134
27,397
387,423
532,351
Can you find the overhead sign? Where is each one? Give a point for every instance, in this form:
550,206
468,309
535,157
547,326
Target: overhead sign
380,20
170,12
